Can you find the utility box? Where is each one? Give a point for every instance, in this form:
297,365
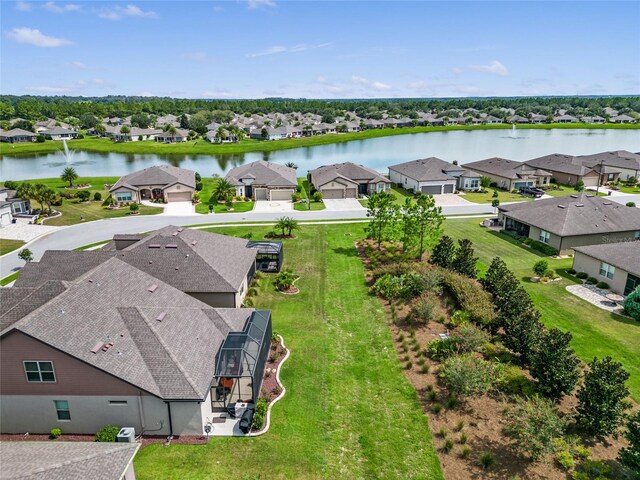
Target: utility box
127,435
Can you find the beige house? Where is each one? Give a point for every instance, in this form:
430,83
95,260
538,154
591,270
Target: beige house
433,176
160,182
509,174
617,264
576,220
347,180
567,169
263,181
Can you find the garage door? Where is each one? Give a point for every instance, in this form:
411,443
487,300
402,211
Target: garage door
281,194
448,189
260,193
332,193
590,181
179,197
352,193
431,189
5,219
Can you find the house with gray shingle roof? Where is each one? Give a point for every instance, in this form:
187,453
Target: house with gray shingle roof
347,180
617,264
509,174
622,119
620,164
117,345
566,169
59,133
573,221
163,182
17,135
433,176
68,460
263,180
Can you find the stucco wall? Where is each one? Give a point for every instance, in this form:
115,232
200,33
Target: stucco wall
578,241
585,263
411,184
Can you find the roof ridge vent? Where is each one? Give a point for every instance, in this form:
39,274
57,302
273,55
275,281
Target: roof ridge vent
606,203
180,229
561,206
171,245
579,204
590,195
195,242
152,288
161,316
107,346
97,347
155,245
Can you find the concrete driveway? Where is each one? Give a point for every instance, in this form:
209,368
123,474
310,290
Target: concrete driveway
176,209
273,206
448,199
23,230
342,204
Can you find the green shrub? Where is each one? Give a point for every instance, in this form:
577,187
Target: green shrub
632,304
317,196
630,204
592,470
460,317
487,460
408,365
252,292
451,402
403,286
460,425
134,207
84,195
97,196
424,368
55,433
108,433
540,267
447,446
198,186
471,297
603,285
79,136
582,275
550,273
514,381
442,432
468,338
423,310
565,460
465,452
259,414
571,271
541,247
107,201
468,374
630,456
441,348
592,280
295,197
437,408
432,395
464,438
40,139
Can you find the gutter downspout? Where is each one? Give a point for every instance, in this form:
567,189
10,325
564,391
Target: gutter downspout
141,412
170,421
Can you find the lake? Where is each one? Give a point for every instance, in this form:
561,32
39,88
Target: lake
377,153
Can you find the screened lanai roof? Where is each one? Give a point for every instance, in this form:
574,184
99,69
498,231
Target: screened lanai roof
266,247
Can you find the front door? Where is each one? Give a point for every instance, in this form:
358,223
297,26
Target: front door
248,191
632,283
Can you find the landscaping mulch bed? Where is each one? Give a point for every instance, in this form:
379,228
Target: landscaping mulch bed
270,388
482,415
292,290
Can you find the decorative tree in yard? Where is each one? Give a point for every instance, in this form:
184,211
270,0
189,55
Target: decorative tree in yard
26,255
223,190
630,457
464,262
523,331
632,304
423,221
383,214
443,253
555,365
485,182
69,175
602,397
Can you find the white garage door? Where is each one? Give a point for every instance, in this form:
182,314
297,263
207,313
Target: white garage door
5,219
179,197
332,193
590,181
281,194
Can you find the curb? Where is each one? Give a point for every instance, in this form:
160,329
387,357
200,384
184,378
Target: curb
275,400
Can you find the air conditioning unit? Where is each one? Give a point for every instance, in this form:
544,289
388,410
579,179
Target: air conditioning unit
127,435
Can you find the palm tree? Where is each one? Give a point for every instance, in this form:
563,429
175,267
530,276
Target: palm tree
291,165
100,129
69,175
221,134
291,225
223,190
282,224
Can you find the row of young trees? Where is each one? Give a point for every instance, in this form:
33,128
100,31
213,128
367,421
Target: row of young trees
416,223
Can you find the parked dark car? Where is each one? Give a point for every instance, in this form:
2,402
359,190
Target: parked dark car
532,192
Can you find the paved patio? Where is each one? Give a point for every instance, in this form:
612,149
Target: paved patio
595,296
23,230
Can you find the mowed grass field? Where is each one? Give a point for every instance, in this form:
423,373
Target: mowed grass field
348,412
596,332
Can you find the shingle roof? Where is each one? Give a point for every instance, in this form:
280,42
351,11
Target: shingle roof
18,302
172,358
265,173
622,255
65,265
357,173
17,132
57,131
426,169
561,163
65,460
582,214
164,175
617,158
504,168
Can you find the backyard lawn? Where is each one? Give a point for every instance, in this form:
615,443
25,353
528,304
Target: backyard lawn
206,197
595,332
399,193
7,246
349,412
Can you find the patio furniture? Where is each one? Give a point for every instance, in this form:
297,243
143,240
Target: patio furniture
246,421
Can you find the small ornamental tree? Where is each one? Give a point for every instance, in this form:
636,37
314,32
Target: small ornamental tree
534,424
468,374
555,365
134,207
464,262
443,253
485,182
579,186
495,203
500,282
69,175
630,456
383,215
632,304
522,333
26,255
84,195
602,397
540,267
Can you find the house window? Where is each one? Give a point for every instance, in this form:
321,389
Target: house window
607,270
117,402
637,235
62,409
381,187
544,236
474,183
405,181
611,176
39,371
123,196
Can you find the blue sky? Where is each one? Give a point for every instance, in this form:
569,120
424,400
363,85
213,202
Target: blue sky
266,48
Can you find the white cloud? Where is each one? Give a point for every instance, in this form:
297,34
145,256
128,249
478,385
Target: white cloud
301,47
360,80
118,13
23,6
53,7
77,65
32,36
494,67
253,4
380,86
75,88
457,70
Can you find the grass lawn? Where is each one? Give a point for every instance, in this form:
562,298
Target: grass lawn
203,147
7,246
487,197
206,198
349,412
565,190
626,189
399,193
9,278
595,332
303,207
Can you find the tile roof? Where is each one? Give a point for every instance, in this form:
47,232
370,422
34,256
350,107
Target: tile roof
66,460
582,214
171,356
426,169
622,255
265,173
163,175
355,173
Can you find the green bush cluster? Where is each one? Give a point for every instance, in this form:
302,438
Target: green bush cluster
468,374
55,433
582,275
260,414
470,297
540,247
108,433
632,304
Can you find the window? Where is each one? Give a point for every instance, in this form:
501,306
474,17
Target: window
62,409
637,235
544,236
607,270
381,187
39,371
117,402
611,176
474,184
123,196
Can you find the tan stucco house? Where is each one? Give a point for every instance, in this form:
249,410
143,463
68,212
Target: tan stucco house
572,221
566,169
617,264
509,174
433,176
163,182
263,180
347,180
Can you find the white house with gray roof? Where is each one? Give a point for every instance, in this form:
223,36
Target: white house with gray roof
617,264
347,180
263,180
433,176
160,182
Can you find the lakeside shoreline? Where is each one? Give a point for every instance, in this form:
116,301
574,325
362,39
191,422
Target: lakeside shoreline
202,147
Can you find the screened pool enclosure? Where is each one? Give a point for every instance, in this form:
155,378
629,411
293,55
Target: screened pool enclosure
269,257
240,363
